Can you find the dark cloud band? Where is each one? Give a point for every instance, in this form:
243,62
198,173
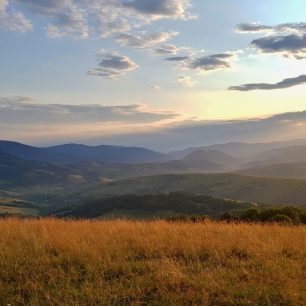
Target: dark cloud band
290,82
25,111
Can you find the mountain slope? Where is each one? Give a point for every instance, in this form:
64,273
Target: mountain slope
241,151
231,186
286,170
222,159
16,172
109,154
154,205
292,154
35,154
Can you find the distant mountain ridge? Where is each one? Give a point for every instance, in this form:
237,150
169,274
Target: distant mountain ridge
109,154
27,152
92,163
292,154
240,150
74,153
218,157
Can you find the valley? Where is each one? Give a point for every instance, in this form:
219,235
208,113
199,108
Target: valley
47,182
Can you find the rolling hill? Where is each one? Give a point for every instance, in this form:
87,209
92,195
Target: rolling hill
292,154
155,206
242,151
285,170
16,172
230,186
220,159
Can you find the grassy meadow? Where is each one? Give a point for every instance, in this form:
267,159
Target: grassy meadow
57,262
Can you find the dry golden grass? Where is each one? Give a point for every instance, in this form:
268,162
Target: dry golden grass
54,262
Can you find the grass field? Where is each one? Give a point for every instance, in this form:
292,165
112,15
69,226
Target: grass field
56,262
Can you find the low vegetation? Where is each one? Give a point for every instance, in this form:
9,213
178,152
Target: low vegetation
56,262
291,215
180,206
275,191
158,205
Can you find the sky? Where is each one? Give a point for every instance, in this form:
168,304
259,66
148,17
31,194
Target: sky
165,74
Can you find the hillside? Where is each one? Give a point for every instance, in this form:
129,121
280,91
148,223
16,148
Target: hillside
241,151
34,154
16,172
285,170
220,159
155,206
231,186
292,154
55,262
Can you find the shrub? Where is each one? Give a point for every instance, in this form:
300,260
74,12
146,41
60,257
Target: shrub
303,218
281,219
251,215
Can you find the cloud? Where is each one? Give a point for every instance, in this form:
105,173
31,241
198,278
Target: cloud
186,81
144,40
13,21
154,42
155,87
181,135
204,64
64,17
24,111
290,82
168,49
177,58
293,28
211,62
290,45
113,65
25,120
84,18
156,9
288,39
252,28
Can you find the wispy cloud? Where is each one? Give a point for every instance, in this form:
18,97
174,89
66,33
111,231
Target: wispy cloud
84,18
288,39
256,27
13,21
24,110
156,9
144,40
112,65
281,127
290,82
186,81
202,64
23,119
